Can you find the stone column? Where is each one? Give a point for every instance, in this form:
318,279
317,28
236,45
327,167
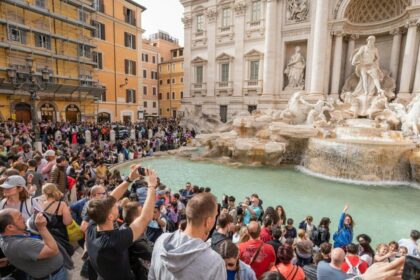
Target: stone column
350,51
211,51
238,64
408,60
395,52
187,20
271,26
416,87
336,71
319,47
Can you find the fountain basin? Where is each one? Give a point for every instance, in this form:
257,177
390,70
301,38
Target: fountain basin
360,159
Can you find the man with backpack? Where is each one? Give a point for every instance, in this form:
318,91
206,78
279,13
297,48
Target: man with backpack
353,265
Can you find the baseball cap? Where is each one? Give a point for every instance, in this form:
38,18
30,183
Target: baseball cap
14,181
49,153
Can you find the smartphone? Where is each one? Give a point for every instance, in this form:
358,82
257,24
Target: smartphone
411,268
142,171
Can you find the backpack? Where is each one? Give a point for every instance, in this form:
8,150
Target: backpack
170,225
353,270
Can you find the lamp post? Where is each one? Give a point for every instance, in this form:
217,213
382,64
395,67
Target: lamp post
28,81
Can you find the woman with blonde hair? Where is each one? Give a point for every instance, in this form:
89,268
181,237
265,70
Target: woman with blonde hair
58,214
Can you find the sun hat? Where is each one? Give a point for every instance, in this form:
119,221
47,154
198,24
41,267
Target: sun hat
14,181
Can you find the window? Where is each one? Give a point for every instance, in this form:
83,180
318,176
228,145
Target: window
173,66
174,54
129,40
199,74
40,3
224,72
160,82
181,52
146,57
97,58
99,5
182,94
99,31
129,16
130,67
85,51
154,75
200,23
169,67
252,108
144,90
182,80
103,96
173,95
255,11
153,59
160,96
167,95
154,91
226,13
254,69
154,104
17,35
173,81
42,41
145,104
168,81
130,96
83,16
144,74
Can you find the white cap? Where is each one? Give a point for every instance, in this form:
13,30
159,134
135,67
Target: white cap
14,181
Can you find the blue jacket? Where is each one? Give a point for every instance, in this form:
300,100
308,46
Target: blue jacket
344,235
246,272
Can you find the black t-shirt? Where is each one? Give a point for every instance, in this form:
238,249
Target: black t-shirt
108,252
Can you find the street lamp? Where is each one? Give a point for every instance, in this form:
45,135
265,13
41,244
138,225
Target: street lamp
29,82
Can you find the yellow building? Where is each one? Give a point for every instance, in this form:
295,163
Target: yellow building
171,84
56,35
150,59
118,40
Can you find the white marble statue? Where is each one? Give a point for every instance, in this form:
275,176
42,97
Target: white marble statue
297,109
295,70
88,137
297,10
366,62
320,114
410,116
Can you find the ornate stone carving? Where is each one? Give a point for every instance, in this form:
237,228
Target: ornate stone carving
411,23
396,31
365,11
187,21
297,10
295,70
240,8
211,14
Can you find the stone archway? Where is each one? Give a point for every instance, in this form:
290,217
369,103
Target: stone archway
73,113
104,117
23,112
48,112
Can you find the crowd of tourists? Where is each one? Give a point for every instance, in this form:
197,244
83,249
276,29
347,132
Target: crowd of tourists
135,227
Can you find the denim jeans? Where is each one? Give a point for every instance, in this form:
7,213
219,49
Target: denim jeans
60,275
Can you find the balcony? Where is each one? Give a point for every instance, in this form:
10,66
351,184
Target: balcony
224,88
198,89
253,87
225,29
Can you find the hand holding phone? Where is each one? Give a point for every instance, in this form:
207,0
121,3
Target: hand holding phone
411,268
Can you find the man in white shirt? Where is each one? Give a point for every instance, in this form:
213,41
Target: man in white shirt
411,243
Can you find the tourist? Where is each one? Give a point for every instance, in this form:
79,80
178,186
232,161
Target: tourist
308,226
58,176
50,158
324,255
332,271
224,224
157,225
303,248
402,251
383,254
265,234
285,266
272,276
353,265
235,268
272,214
232,210
252,210
282,215
291,232
37,179
366,252
16,196
185,254
344,235
40,258
108,247
260,256
411,243
322,233
276,234
58,214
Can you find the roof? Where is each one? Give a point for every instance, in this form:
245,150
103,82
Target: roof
136,4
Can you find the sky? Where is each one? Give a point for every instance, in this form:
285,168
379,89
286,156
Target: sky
163,15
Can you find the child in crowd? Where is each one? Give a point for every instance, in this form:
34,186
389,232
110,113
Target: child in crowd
403,251
383,254
290,230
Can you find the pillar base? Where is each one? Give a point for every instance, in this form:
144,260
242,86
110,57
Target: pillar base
316,96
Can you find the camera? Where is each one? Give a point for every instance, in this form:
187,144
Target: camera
142,171
411,268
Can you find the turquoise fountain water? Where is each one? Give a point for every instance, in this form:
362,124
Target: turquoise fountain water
384,212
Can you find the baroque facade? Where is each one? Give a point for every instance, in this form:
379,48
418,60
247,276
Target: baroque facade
254,54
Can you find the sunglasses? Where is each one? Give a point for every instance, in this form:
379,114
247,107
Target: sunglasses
231,264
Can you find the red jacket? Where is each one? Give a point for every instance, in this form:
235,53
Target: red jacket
263,261
265,235
355,261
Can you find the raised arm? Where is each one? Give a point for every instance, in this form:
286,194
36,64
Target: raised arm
119,191
342,217
139,225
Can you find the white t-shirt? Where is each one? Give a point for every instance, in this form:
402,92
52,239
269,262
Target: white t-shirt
410,245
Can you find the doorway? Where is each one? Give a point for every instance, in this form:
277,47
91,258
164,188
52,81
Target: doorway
104,117
223,113
72,113
47,112
23,112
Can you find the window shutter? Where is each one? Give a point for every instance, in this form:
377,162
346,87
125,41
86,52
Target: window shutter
23,37
134,67
134,41
125,13
102,31
101,6
126,66
134,95
125,39
127,96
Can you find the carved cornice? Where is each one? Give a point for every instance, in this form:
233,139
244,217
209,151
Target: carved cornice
240,8
187,21
412,22
211,14
396,31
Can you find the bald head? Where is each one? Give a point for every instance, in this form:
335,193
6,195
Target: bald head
337,256
6,218
254,229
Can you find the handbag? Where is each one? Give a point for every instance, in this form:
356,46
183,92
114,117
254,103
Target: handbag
74,232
